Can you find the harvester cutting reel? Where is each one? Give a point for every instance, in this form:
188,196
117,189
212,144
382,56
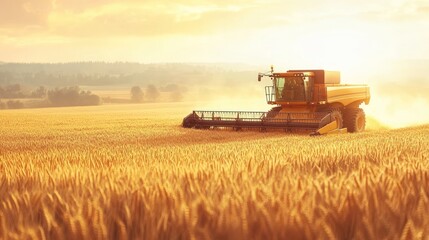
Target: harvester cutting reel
319,123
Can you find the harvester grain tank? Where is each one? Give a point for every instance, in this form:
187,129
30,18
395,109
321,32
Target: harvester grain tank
313,100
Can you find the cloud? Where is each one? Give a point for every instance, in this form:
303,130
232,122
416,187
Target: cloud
135,19
219,29
423,10
116,18
113,18
397,13
18,13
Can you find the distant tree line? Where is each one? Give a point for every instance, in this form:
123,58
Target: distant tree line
12,91
72,96
119,73
152,93
138,96
95,73
171,81
11,104
17,91
58,97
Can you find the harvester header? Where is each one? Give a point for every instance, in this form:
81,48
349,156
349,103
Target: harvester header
312,100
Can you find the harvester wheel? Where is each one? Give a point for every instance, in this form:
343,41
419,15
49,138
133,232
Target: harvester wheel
354,119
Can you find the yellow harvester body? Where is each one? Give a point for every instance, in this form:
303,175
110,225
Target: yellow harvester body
304,99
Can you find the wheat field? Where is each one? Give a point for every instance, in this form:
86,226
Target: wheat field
131,172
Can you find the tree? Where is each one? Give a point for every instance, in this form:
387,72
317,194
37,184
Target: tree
152,93
137,94
72,96
40,92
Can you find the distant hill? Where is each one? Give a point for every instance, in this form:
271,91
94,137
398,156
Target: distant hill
405,78
121,73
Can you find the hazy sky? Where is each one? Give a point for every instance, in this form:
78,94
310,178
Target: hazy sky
332,34
358,37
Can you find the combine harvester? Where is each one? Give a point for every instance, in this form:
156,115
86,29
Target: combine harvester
312,100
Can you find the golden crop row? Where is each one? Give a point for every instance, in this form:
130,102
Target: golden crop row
108,172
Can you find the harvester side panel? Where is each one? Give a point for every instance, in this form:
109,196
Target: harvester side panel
347,94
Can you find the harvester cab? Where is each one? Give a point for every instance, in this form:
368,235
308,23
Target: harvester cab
313,100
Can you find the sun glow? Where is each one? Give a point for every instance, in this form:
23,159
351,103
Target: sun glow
322,47
336,49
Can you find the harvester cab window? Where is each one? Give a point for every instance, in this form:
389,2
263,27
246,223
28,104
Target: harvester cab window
280,82
291,89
